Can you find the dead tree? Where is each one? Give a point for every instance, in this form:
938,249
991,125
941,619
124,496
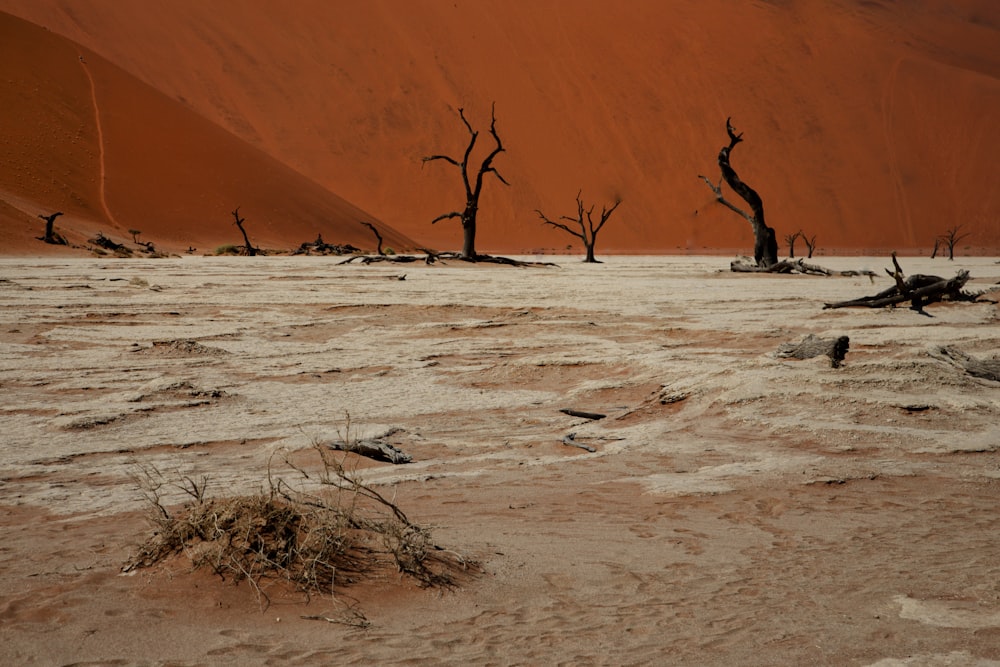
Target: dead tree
937,246
765,250
472,190
248,248
377,236
588,232
790,240
920,290
951,238
810,242
50,234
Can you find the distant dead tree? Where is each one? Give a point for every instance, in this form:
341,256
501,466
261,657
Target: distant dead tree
50,234
810,242
588,231
765,252
937,246
790,240
472,191
248,248
377,236
951,238
135,235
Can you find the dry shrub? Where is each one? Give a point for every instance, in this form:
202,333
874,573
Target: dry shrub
318,541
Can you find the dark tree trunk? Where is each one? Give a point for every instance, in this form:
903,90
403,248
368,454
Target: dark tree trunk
469,229
590,255
765,251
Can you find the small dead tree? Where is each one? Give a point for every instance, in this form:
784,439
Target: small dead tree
472,188
248,248
588,231
377,236
765,251
790,240
951,238
50,234
810,242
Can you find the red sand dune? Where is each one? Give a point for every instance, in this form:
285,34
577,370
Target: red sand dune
868,124
114,154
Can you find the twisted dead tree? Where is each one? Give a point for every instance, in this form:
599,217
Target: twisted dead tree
473,188
765,251
248,248
51,236
588,232
377,236
920,290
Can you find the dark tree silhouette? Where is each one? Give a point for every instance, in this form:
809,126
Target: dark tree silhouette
588,232
790,240
248,248
765,251
50,233
810,242
472,190
377,236
951,238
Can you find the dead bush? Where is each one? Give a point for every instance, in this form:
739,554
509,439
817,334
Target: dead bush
319,541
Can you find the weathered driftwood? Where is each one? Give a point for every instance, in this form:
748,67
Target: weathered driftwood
585,415
986,369
814,346
920,290
745,265
377,448
571,441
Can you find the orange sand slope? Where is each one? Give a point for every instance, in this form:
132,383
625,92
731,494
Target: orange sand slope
866,124
113,154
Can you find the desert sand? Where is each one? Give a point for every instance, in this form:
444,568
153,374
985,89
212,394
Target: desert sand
867,124
738,508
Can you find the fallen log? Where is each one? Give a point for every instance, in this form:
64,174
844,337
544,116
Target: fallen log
986,369
571,441
585,415
920,290
377,448
814,346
